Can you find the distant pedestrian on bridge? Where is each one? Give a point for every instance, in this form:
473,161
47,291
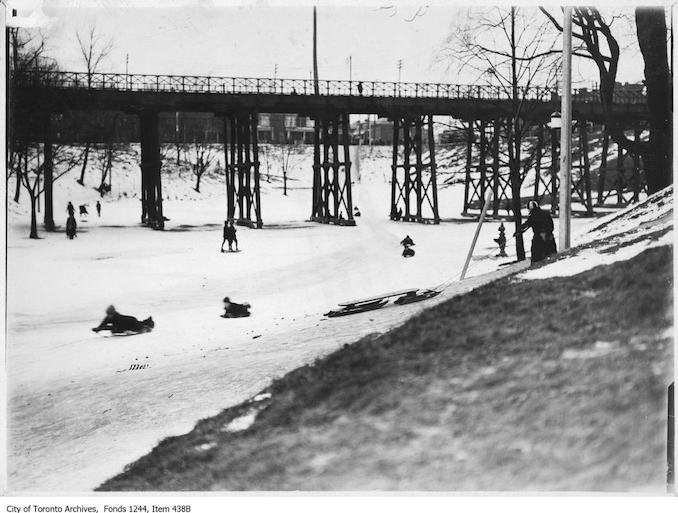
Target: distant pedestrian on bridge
98,209
229,235
360,88
543,243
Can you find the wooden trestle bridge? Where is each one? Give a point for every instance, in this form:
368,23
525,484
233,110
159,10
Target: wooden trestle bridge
485,111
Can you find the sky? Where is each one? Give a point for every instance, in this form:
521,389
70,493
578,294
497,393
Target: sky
363,41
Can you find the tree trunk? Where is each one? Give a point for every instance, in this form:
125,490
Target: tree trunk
197,182
34,217
48,171
284,183
81,180
17,170
18,186
107,170
651,29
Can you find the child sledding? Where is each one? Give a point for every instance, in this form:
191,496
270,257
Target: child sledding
123,324
407,244
232,309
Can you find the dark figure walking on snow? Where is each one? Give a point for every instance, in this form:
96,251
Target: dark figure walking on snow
229,235
71,227
70,209
543,243
98,209
118,323
232,309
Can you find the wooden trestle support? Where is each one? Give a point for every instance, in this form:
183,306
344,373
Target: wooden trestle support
332,201
627,182
48,172
486,169
151,184
241,155
483,167
414,190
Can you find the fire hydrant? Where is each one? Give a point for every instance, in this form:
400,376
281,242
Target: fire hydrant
501,240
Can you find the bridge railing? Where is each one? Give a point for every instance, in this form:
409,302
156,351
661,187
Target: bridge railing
241,85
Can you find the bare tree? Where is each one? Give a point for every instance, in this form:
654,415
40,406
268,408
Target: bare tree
33,171
598,43
25,126
509,51
179,137
26,49
265,151
93,50
201,160
286,151
108,156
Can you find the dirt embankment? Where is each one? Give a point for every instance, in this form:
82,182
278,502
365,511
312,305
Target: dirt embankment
552,385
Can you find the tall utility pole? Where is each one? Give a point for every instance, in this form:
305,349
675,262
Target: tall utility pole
350,68
566,133
514,142
400,67
316,87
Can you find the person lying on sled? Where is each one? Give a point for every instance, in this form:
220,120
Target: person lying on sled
232,309
118,323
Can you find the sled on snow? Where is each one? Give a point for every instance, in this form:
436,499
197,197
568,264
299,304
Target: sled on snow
416,296
367,304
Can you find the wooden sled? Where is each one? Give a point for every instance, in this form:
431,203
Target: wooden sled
414,297
367,304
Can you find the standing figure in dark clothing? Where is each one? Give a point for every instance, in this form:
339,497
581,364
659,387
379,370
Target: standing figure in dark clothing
98,209
229,235
70,209
71,226
543,243
118,323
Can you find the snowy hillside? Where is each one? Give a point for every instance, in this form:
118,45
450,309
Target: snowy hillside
82,404
617,237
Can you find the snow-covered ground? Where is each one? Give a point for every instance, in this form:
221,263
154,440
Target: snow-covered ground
647,224
80,409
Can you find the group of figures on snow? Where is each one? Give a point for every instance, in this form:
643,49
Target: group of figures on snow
119,324
543,246
71,225
543,241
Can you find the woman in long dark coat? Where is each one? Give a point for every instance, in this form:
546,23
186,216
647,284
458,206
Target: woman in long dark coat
543,242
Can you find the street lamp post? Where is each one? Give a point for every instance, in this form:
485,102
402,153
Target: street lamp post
565,213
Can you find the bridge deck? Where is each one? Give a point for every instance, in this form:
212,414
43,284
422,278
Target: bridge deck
108,91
